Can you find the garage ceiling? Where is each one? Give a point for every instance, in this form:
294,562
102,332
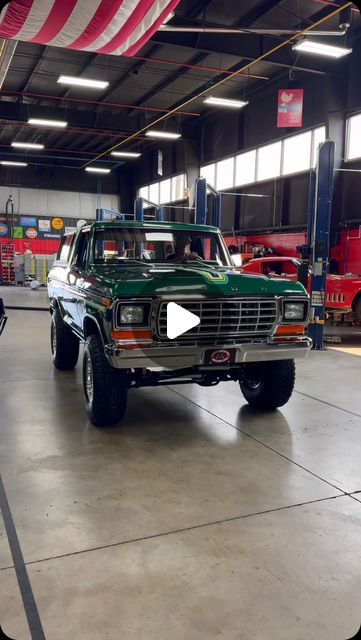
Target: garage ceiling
165,73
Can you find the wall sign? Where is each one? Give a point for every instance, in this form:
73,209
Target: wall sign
290,108
44,225
41,228
52,236
18,233
25,221
57,223
31,233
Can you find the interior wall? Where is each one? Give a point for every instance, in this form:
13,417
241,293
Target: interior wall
49,202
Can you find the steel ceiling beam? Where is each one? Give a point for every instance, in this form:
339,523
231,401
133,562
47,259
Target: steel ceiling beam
257,12
170,78
34,69
199,7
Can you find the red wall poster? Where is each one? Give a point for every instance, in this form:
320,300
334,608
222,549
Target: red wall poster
290,108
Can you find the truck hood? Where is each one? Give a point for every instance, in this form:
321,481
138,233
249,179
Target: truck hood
189,280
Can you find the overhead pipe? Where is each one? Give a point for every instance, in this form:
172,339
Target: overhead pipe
113,105
69,130
199,67
263,32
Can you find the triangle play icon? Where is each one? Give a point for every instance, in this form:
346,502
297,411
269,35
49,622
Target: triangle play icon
179,320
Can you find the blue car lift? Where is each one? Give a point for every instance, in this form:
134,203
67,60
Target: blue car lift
202,190
139,210
318,240
316,252
103,215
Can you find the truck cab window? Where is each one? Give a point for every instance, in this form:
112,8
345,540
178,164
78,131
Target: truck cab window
80,256
65,247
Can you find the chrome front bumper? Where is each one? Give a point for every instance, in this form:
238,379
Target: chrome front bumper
176,357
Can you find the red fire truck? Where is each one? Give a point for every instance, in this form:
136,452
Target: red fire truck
343,293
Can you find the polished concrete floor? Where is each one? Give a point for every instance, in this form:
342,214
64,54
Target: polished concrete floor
196,518
24,297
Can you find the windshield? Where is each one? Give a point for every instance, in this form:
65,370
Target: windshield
118,245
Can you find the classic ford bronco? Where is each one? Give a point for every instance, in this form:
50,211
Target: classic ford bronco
110,287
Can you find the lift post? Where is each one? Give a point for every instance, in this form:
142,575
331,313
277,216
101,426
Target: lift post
108,214
201,203
319,240
139,210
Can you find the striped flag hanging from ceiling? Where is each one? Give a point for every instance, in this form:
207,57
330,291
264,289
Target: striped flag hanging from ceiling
118,27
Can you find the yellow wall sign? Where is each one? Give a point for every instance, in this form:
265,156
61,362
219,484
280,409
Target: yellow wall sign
57,223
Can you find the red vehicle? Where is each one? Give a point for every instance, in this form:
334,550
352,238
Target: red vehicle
343,293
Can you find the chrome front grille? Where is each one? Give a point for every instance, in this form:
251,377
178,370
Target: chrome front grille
225,317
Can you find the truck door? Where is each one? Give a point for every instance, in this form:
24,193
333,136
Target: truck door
78,273
58,281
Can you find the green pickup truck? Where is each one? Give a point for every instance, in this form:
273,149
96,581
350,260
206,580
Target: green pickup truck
111,285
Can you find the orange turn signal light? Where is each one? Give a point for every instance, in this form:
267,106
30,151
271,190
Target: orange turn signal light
290,330
133,334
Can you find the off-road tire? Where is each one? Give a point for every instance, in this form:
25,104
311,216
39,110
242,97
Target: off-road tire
106,397
64,344
268,385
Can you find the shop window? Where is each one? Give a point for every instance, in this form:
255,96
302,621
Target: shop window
245,168
165,191
319,136
209,173
354,137
225,174
154,192
144,192
269,161
178,187
297,153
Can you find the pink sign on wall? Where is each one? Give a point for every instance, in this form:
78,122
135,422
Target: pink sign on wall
290,108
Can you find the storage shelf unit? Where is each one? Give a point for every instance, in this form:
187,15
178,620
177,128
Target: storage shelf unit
7,265
38,267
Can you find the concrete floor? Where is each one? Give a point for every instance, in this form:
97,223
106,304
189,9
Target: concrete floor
197,518
24,297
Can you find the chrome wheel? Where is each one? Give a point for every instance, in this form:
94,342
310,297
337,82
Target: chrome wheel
89,383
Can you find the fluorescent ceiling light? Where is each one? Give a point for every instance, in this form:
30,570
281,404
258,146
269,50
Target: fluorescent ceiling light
97,170
27,145
151,133
41,122
125,154
321,49
83,82
224,102
10,163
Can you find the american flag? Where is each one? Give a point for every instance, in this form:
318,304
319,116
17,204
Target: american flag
118,27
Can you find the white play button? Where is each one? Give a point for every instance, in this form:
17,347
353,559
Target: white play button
179,320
